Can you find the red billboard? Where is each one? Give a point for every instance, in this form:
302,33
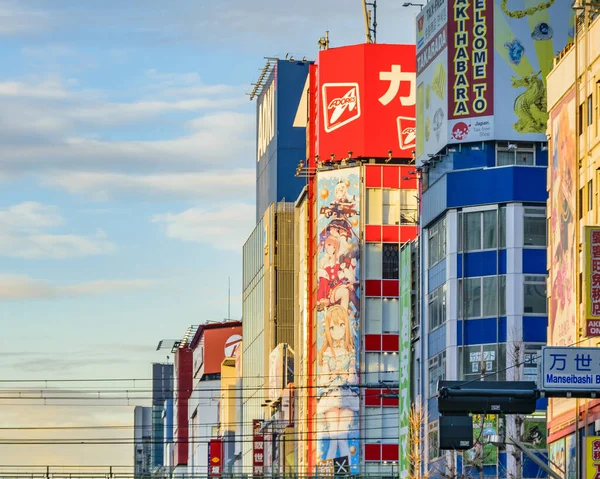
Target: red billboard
215,457
216,343
367,101
258,449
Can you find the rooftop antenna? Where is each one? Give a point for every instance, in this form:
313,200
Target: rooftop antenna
229,297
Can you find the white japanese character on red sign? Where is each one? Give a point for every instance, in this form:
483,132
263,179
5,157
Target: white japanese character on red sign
396,76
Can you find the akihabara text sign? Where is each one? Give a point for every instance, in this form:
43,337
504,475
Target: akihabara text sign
570,369
592,280
368,95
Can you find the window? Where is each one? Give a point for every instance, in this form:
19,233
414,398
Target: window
433,446
477,356
597,108
437,371
437,242
480,230
482,297
391,203
531,358
437,307
580,120
374,209
534,292
373,257
408,207
382,425
374,421
590,195
515,154
534,227
390,260
381,367
590,110
382,316
580,203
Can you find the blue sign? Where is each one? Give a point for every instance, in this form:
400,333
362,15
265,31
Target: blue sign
570,369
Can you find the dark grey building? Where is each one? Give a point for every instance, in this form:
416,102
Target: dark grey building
162,390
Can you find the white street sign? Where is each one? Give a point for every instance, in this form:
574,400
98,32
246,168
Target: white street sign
570,369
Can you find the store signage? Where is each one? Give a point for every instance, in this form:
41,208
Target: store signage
258,449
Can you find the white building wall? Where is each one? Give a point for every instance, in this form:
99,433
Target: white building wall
203,415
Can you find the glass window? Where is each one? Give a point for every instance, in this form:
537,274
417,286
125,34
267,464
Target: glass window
437,307
472,297
531,358
502,295
437,371
590,195
580,119
534,290
374,421
433,445
374,209
490,296
389,367
373,314
475,304
534,227
390,424
515,154
590,110
489,229
472,226
372,366
390,261
391,203
437,242
480,356
391,316
408,207
502,227
373,257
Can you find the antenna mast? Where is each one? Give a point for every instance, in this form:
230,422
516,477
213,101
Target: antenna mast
370,17
229,297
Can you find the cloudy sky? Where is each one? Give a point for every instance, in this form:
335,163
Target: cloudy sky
127,185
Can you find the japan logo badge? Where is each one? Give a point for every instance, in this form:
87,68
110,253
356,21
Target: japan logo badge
341,104
407,132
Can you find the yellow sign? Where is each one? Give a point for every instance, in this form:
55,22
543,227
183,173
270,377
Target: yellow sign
591,279
592,453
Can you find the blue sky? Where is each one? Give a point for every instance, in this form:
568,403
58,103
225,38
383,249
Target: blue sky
127,153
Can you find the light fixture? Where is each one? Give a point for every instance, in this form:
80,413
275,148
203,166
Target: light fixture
411,4
512,146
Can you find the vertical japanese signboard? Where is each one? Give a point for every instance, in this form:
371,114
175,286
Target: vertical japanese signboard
368,95
338,320
591,279
561,203
215,457
404,353
592,452
258,449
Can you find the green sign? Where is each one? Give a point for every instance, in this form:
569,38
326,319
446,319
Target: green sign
404,351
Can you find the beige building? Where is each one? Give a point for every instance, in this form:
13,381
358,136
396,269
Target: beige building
573,185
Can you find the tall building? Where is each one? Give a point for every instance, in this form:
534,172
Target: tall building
162,390
574,179
267,316
359,207
482,156
280,138
142,442
211,344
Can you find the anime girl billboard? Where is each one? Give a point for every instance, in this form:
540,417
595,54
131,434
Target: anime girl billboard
338,320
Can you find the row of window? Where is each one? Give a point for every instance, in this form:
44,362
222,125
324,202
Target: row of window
485,230
586,112
382,261
485,297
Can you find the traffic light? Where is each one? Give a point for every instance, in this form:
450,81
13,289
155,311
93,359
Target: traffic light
487,397
456,432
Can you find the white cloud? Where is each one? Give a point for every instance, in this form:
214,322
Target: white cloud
24,234
24,287
211,185
15,20
226,228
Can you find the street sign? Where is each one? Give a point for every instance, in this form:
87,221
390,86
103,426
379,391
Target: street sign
570,369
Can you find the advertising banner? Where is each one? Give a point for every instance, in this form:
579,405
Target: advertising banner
483,452
215,457
592,454
216,345
591,279
404,353
368,95
482,67
562,249
338,320
276,372
556,454
258,449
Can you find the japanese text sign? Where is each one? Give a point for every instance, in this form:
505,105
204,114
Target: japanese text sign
592,452
258,449
215,453
368,95
591,280
570,369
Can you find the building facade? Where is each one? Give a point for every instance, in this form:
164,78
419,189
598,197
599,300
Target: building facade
482,156
142,442
267,312
162,390
574,179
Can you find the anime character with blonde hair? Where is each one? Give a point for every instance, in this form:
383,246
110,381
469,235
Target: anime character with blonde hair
338,395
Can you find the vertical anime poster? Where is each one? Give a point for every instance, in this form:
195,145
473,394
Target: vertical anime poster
338,321
561,322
